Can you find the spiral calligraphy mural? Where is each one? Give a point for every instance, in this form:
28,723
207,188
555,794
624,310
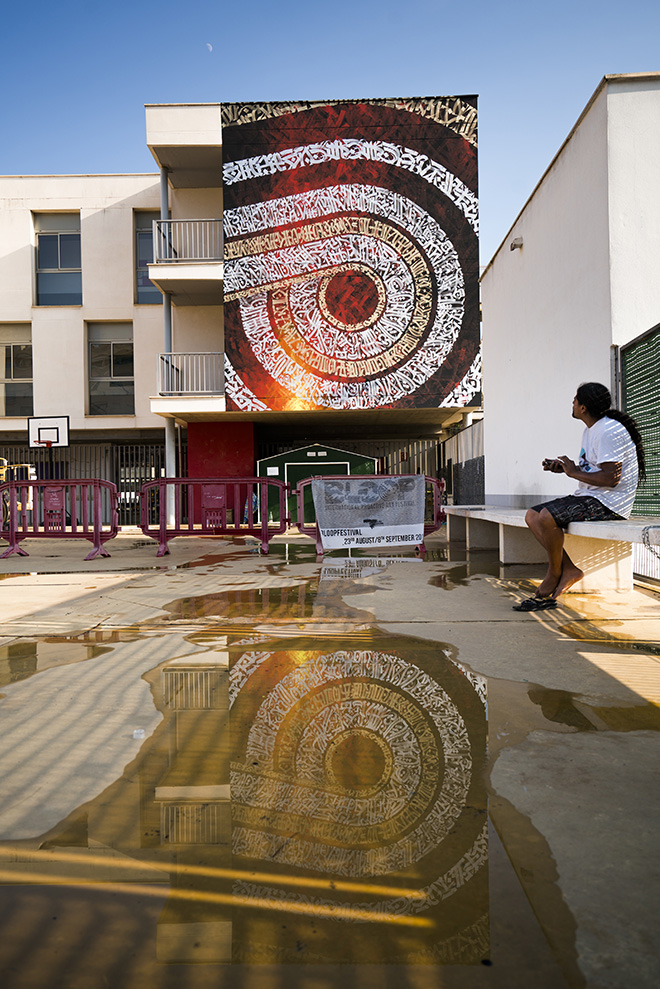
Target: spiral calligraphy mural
351,254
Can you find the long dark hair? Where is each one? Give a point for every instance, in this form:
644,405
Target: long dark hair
597,400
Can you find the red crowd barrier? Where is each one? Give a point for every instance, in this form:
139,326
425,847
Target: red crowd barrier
309,528
216,506
59,509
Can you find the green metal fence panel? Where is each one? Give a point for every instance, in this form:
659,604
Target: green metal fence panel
640,366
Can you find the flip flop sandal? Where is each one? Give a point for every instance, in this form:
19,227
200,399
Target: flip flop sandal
536,604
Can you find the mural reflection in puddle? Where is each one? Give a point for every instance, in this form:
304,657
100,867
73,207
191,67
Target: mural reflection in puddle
358,771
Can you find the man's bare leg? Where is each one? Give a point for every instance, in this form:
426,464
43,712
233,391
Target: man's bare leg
570,574
561,572
550,536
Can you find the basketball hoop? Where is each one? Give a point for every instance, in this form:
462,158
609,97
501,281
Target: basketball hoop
46,443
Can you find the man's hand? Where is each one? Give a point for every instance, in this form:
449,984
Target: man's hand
569,466
554,466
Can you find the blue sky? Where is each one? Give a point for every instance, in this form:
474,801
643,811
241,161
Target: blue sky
75,76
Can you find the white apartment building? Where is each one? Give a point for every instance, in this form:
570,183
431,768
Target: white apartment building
112,313
79,321
573,294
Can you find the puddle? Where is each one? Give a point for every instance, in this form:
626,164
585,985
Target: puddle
306,805
576,712
587,631
319,598
455,576
24,658
358,805
306,798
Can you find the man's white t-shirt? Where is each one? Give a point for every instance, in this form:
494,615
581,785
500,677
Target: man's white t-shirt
606,442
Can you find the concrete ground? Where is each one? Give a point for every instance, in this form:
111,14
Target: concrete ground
149,824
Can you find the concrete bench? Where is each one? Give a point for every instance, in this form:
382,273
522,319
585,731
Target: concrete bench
602,549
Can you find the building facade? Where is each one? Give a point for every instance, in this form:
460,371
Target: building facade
573,294
323,288
79,322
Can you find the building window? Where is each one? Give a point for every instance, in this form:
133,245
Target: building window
15,370
146,292
15,379
59,272
111,386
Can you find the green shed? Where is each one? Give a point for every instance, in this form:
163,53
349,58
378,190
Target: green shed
310,461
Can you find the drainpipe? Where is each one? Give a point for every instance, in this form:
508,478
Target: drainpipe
167,298
170,430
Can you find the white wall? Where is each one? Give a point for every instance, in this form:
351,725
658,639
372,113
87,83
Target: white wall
198,329
196,204
466,445
546,319
634,205
106,204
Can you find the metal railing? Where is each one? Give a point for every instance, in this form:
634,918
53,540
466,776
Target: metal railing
59,510
190,374
187,240
434,514
212,506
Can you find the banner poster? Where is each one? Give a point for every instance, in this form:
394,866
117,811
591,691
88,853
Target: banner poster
351,258
354,512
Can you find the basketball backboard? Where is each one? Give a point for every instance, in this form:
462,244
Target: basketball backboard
48,431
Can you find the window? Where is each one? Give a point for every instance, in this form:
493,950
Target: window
15,370
146,292
111,387
59,274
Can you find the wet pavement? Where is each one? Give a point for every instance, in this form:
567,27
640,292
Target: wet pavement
221,768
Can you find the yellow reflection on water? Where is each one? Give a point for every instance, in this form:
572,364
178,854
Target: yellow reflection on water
298,803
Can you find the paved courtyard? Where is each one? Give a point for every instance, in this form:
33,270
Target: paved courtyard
221,768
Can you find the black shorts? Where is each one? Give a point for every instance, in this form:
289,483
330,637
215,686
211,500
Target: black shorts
577,508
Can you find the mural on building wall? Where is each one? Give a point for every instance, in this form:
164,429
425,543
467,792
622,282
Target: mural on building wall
351,254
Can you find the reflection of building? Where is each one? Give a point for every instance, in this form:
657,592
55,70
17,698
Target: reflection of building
290,802
192,796
324,288
358,806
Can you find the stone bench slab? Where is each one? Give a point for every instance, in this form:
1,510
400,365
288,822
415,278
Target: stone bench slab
623,530
602,549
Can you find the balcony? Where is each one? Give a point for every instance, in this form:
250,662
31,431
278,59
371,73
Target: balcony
189,385
188,261
186,139
190,374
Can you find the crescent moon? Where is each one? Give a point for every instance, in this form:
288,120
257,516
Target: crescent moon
209,46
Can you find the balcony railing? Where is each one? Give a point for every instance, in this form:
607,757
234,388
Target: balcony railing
187,241
190,374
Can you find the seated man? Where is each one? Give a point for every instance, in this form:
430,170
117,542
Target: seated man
610,467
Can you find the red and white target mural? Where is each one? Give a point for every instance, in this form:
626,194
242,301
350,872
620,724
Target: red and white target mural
351,254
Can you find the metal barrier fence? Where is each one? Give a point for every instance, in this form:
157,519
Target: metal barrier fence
216,506
434,514
59,510
128,465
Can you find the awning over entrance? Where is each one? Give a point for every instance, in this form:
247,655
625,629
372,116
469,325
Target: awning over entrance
379,422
